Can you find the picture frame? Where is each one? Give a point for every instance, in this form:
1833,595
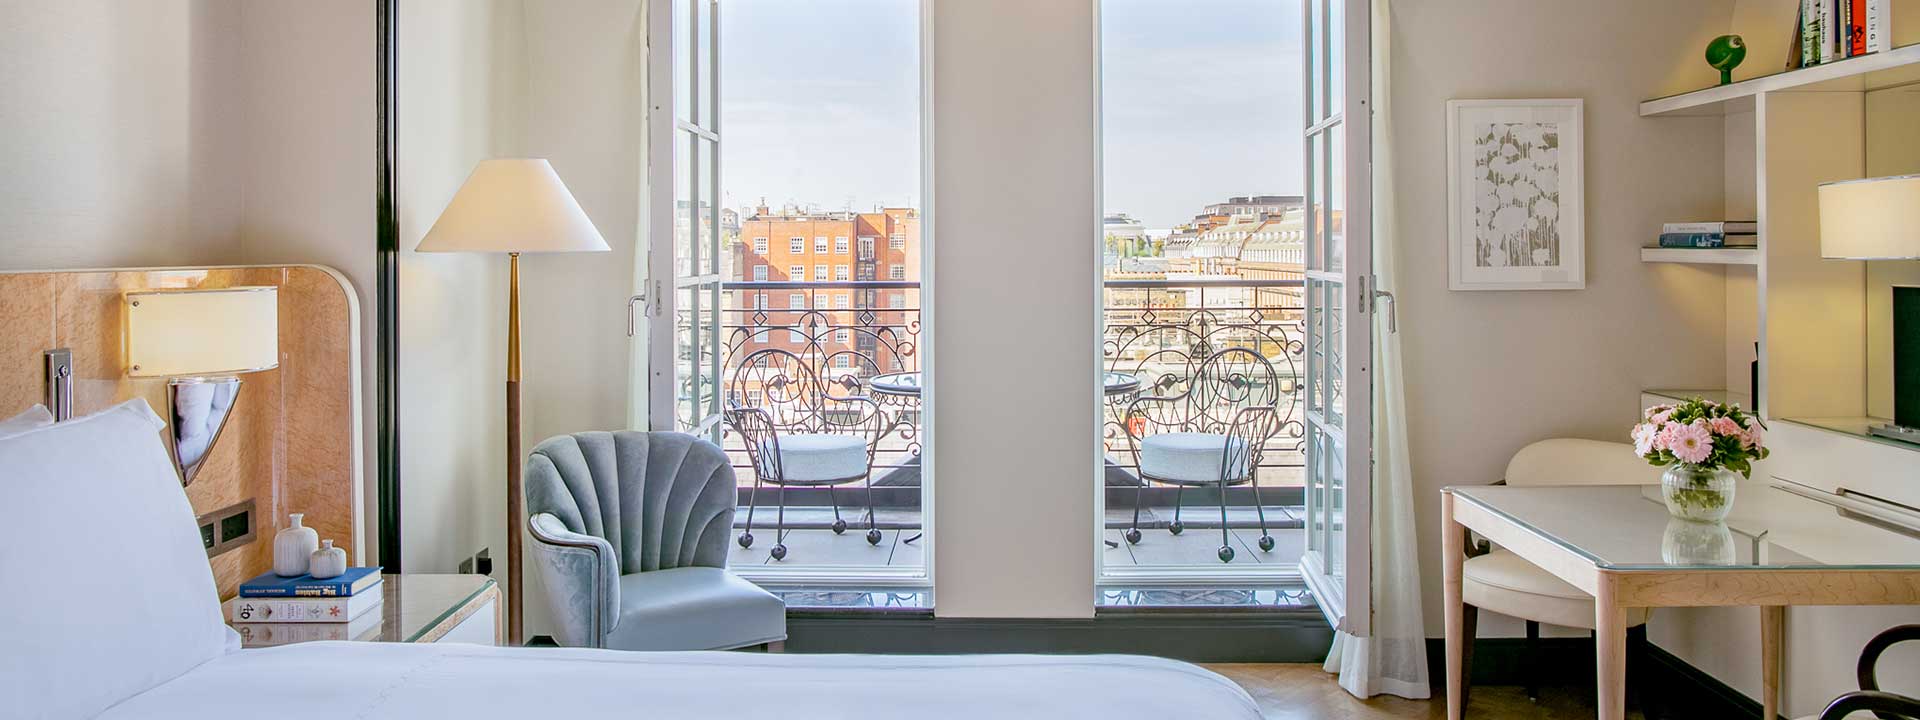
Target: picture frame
1515,195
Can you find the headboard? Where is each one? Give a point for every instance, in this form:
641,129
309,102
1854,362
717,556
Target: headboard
292,443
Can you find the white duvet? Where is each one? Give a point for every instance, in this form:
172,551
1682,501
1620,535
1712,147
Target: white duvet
337,680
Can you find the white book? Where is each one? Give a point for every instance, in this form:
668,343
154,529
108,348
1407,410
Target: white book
336,610
254,635
1879,27
1726,227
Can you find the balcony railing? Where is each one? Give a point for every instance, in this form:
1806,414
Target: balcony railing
1156,330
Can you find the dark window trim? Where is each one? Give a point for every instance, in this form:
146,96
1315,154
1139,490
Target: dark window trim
387,315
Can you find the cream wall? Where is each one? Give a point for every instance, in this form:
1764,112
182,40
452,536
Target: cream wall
1015,96
117,133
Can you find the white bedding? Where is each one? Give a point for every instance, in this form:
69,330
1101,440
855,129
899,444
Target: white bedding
335,680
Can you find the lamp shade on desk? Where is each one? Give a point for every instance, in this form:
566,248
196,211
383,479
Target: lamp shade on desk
1871,219
513,205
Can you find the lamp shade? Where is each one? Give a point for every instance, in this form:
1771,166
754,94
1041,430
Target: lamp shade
202,332
1871,219
515,205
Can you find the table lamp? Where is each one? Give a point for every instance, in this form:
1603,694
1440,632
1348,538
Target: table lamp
201,340
513,206
1879,219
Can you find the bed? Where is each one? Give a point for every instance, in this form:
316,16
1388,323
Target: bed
119,618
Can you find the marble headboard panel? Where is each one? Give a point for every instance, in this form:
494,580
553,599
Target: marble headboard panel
292,443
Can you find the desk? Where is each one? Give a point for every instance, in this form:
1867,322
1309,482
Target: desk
1784,544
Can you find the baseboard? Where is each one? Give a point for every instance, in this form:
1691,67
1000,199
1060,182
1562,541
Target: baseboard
1279,635
1679,689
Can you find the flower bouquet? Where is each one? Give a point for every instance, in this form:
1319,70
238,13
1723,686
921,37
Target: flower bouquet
1702,444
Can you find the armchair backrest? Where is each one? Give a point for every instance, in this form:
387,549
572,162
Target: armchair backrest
1574,461
661,499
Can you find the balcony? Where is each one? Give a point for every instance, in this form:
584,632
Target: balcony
861,340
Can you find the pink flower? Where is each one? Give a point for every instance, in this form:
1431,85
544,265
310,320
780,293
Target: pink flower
1752,437
1660,418
1726,426
1644,437
1690,444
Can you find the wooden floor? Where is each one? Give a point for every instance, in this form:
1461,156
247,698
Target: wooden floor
1305,692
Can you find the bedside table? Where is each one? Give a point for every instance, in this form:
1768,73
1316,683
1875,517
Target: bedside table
420,608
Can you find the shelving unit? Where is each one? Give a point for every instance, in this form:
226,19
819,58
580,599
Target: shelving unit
1819,339
1702,256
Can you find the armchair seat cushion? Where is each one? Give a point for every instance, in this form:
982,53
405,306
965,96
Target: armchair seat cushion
819,458
1503,582
695,608
1191,457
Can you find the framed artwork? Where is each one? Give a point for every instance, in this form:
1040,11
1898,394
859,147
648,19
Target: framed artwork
1515,216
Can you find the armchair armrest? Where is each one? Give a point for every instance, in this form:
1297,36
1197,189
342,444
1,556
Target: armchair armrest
582,579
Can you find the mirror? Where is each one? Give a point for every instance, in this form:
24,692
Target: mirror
197,410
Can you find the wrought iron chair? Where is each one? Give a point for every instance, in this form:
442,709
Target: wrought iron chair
1212,433
799,432
1884,705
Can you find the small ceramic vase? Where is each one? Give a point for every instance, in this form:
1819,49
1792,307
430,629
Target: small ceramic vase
327,562
1724,54
293,548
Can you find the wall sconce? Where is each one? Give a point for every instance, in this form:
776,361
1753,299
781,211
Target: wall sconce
200,340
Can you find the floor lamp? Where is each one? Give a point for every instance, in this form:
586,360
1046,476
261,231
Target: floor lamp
513,206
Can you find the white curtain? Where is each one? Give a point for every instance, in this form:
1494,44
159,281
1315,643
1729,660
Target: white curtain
1393,660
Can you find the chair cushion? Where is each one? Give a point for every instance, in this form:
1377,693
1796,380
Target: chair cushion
1503,582
1190,457
695,608
821,457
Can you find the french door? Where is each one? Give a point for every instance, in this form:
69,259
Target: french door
1339,304
686,262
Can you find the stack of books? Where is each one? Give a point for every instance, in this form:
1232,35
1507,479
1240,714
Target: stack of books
274,610
1724,233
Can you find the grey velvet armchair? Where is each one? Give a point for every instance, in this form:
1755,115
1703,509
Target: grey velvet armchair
630,538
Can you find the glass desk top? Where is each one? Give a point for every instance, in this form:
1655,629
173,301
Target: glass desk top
1772,526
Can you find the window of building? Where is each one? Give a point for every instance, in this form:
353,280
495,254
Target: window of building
797,245
760,336
840,272
819,301
759,273
820,244
820,273
760,246
897,272
866,248
796,300
842,301
797,273
842,361
897,241
843,336
897,302
796,336
840,245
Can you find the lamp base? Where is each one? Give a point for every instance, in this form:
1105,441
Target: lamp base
1896,432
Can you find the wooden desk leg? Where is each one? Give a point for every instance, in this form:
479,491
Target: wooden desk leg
1773,621
1610,649
1453,556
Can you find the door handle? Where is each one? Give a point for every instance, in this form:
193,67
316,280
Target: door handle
1393,317
631,324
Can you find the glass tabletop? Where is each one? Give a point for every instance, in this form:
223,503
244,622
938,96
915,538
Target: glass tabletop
1773,525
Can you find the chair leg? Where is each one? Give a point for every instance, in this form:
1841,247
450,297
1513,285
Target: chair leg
839,526
1179,495
1226,535
746,534
873,521
1469,627
1260,509
1139,495
780,524
1533,661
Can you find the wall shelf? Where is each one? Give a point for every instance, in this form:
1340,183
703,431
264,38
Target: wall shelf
1702,256
1890,68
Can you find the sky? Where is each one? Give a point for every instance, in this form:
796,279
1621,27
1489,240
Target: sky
820,103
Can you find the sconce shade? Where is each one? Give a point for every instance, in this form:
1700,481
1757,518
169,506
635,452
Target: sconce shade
1871,219
516,205
202,332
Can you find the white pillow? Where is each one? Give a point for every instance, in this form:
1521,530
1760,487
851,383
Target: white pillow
35,417
108,590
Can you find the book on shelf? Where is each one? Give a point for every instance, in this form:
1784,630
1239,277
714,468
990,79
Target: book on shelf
303,609
1830,30
270,585
365,627
1722,227
1707,240
1876,26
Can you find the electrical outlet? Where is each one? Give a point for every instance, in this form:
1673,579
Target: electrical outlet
483,562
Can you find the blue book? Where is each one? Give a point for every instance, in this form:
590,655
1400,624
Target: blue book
1692,240
269,585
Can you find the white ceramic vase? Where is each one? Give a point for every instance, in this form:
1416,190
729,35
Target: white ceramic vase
293,548
327,562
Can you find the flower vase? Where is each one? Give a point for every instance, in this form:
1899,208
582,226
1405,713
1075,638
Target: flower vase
293,548
327,562
1698,493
